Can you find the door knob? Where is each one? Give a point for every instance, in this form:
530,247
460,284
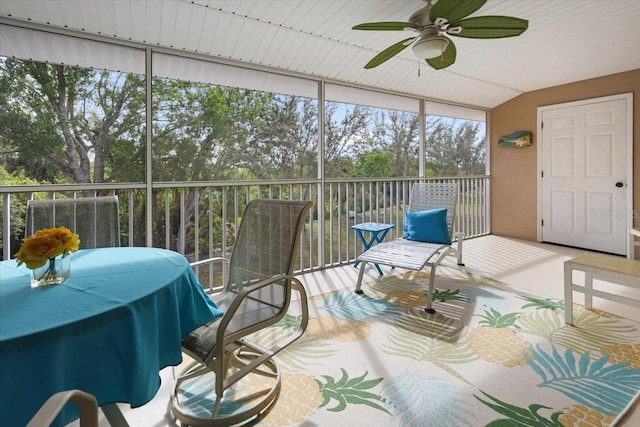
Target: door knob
619,184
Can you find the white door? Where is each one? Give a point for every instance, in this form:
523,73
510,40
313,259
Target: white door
584,175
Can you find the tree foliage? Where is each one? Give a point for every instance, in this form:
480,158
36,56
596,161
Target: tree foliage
396,133
61,124
375,163
68,124
345,133
454,147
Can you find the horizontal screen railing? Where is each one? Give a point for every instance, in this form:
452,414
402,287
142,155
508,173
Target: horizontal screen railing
199,219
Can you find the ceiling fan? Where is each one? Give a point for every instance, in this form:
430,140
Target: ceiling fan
432,22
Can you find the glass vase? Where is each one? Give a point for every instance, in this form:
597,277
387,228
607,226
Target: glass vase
53,272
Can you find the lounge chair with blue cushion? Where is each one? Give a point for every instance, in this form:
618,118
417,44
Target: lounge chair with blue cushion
427,237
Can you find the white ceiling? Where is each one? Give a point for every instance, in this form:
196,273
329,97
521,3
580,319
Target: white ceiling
567,40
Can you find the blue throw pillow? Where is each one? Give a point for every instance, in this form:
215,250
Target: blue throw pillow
427,226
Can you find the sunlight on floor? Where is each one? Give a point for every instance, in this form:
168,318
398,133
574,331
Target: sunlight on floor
498,256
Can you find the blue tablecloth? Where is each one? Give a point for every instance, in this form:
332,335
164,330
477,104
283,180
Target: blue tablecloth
107,330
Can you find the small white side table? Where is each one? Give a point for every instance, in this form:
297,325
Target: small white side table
609,268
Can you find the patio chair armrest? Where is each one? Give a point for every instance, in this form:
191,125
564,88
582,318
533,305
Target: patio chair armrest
304,305
236,306
86,402
208,260
211,289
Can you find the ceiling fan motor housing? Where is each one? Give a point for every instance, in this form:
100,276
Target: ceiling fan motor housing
421,17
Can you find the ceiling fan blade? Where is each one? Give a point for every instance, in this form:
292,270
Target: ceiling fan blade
491,27
446,59
454,10
389,53
385,26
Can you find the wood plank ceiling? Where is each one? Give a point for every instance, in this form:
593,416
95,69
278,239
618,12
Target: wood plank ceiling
567,40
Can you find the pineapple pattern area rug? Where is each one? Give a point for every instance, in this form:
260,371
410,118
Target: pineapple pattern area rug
490,356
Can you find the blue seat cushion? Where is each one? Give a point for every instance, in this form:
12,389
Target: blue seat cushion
427,226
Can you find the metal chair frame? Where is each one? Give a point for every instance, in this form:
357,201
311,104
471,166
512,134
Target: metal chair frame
415,255
87,405
257,294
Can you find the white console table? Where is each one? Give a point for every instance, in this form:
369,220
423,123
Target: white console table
603,267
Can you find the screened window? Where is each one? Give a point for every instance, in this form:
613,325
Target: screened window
370,134
71,110
455,141
221,122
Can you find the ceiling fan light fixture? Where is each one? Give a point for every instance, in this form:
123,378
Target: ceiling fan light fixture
430,46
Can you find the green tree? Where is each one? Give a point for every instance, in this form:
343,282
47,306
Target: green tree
64,122
18,205
375,163
454,147
345,135
396,133
205,133
288,144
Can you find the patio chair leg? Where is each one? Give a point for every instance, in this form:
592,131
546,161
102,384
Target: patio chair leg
459,251
114,416
432,277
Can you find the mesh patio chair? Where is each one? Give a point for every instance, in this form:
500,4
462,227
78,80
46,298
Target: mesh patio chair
425,196
257,295
416,253
94,219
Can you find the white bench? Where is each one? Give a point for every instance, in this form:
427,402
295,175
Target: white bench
609,268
